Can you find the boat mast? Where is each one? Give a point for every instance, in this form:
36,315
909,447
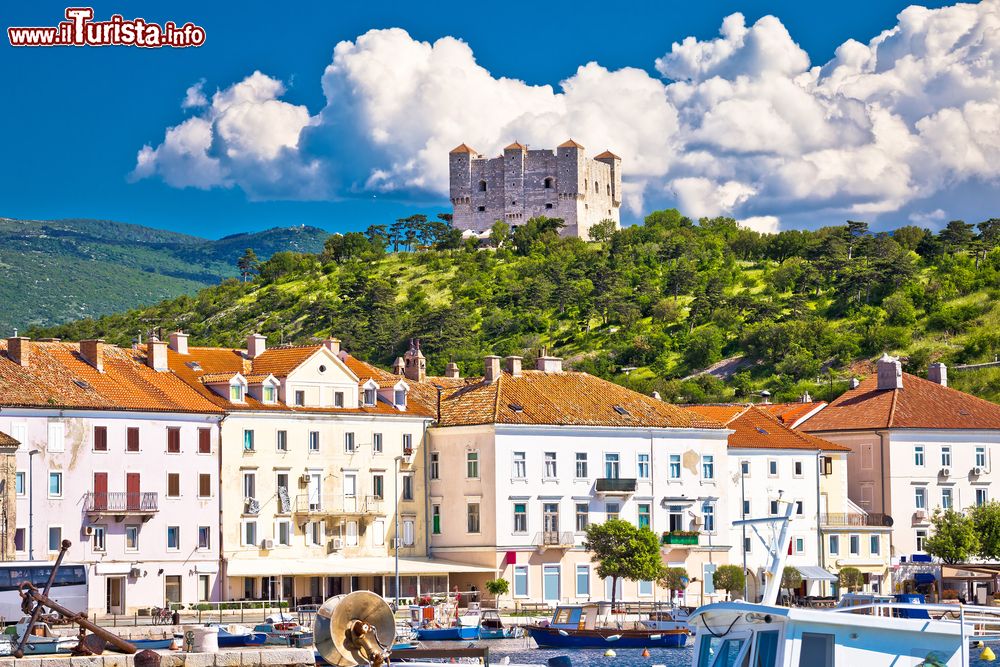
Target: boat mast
778,549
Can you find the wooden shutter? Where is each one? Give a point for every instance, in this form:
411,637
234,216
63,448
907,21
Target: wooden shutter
204,441
173,439
100,438
132,439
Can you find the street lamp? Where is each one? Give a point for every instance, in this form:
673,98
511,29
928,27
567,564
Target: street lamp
31,503
395,480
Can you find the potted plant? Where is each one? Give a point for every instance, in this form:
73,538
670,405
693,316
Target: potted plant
680,537
496,588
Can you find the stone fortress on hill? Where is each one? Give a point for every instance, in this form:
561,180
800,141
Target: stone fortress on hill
525,183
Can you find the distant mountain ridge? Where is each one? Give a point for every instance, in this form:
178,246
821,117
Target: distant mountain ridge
54,271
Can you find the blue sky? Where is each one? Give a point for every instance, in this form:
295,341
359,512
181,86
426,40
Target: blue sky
76,117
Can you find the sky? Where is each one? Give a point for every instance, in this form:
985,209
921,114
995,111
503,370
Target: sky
780,114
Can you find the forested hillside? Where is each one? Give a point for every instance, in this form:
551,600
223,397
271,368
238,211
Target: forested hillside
54,271
651,306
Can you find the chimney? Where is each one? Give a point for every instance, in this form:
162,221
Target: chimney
890,373
806,398
548,364
451,370
854,383
332,344
492,368
398,367
19,350
938,373
256,344
414,363
656,395
765,397
179,342
92,352
512,365
156,354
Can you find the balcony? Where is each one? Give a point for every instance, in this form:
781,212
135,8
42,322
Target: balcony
856,520
616,486
553,539
121,504
680,538
332,505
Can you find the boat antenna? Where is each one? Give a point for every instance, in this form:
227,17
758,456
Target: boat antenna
778,549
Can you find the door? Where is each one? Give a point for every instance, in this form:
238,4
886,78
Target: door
133,496
315,494
115,590
550,522
350,492
100,491
618,592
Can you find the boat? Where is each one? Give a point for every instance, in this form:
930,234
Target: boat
577,626
441,622
457,632
286,634
491,627
41,641
879,633
151,644
235,636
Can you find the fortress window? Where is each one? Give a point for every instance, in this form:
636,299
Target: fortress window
482,208
609,190
482,186
548,183
597,188
548,206
513,203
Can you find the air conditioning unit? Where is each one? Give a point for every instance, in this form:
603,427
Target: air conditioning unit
135,573
920,516
267,544
88,530
946,472
304,479
336,544
978,470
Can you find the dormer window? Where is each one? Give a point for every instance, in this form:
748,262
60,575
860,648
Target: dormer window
370,397
399,398
236,392
270,393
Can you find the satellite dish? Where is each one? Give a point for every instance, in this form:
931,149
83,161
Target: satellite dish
354,629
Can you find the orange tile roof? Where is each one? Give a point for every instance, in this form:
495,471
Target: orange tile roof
569,143
213,378
919,404
790,413
280,361
463,148
607,154
756,428
516,147
563,399
58,377
7,441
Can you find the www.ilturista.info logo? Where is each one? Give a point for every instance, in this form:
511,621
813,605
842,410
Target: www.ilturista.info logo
79,29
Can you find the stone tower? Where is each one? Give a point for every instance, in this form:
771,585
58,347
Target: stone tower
523,183
414,363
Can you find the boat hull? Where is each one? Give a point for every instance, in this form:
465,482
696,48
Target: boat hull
151,644
461,633
236,641
549,637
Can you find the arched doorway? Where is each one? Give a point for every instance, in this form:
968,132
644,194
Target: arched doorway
753,586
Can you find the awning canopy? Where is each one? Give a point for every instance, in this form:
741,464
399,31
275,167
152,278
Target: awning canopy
814,573
924,578
331,567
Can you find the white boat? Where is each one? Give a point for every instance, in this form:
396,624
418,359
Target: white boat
877,634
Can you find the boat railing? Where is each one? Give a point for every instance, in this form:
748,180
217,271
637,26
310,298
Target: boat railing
977,621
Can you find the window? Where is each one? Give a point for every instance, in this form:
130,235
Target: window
204,486
800,545
774,508
236,393
816,650
834,545
548,206
798,507
644,515
435,471
675,466
797,468
874,544
172,588
645,588
376,443
547,183
281,441
249,485
520,581
708,516
747,544
613,510
481,209
55,485
582,580
550,465
249,532
57,437
642,466
283,533
369,397
435,519
581,465
745,468
946,499
582,517
612,467
520,518
982,497
920,497
482,186
348,442
708,572
99,543
407,487
270,393
520,466
204,537
315,533
173,538
921,538
132,439
981,457
173,485
472,465
131,538
100,438
55,538
472,518
946,456
173,440
247,440
918,455
772,468
204,588
378,486
399,398
19,539
407,443
855,544
204,441
284,501
708,467
408,531
300,398
19,483
338,399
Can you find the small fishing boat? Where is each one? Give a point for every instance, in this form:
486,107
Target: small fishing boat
286,634
491,627
576,626
441,622
235,636
151,644
42,641
457,632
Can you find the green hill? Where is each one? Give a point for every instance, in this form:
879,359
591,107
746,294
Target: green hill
54,271
651,306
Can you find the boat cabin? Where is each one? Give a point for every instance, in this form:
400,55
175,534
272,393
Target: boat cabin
575,617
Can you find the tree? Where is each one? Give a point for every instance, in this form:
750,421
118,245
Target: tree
674,579
729,578
497,587
954,539
855,230
603,231
851,578
957,234
790,579
986,520
623,551
499,233
248,264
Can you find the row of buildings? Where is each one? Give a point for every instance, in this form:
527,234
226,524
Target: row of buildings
188,474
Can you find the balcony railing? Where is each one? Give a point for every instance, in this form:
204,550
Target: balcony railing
860,520
335,504
554,539
616,485
683,537
122,502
